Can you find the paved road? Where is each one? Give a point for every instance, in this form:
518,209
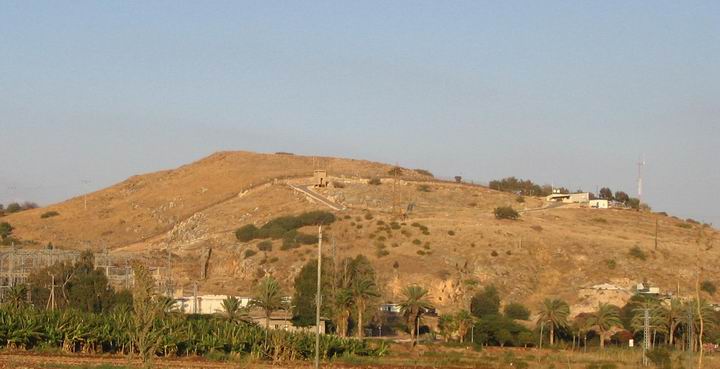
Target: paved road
317,197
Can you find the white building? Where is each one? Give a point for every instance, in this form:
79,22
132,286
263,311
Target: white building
599,204
205,304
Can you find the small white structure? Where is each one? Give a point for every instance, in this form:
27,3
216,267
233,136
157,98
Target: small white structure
390,308
598,204
646,289
205,304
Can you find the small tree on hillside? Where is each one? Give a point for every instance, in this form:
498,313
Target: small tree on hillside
506,212
622,197
606,193
516,310
485,302
13,207
5,230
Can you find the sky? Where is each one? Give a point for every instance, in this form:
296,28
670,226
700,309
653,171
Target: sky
571,93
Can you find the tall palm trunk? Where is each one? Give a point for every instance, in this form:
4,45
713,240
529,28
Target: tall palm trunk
361,309
552,334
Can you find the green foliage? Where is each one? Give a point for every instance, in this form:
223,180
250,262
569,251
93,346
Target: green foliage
5,230
519,186
250,253
515,310
210,336
395,171
416,242
709,287
306,289
500,330
638,253
375,181
485,302
13,207
49,214
660,357
611,264
80,285
506,212
286,228
246,233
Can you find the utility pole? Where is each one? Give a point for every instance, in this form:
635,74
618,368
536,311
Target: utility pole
85,182
656,234
51,300
318,299
646,336
195,299
169,272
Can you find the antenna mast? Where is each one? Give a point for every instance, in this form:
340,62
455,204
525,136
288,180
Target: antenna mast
640,165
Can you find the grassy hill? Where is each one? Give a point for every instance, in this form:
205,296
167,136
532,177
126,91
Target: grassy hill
450,242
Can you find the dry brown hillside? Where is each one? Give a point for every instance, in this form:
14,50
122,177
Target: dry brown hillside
547,252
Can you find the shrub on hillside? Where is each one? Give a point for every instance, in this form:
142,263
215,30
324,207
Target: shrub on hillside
246,233
265,246
49,214
338,184
506,212
520,199
249,253
423,188
396,171
375,181
515,310
708,287
12,208
638,253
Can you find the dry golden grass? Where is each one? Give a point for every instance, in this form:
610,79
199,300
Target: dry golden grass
551,252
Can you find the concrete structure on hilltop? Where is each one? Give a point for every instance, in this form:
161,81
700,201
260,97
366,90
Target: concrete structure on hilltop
320,178
570,198
599,204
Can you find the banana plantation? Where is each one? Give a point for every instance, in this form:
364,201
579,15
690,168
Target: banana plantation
28,328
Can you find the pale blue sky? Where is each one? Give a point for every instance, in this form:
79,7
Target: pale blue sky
570,92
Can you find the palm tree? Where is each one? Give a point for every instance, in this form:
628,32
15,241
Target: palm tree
674,315
604,319
268,297
415,304
581,327
16,295
447,325
555,314
362,291
656,313
343,307
232,308
464,321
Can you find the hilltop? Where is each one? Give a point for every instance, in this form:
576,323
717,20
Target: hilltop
450,242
